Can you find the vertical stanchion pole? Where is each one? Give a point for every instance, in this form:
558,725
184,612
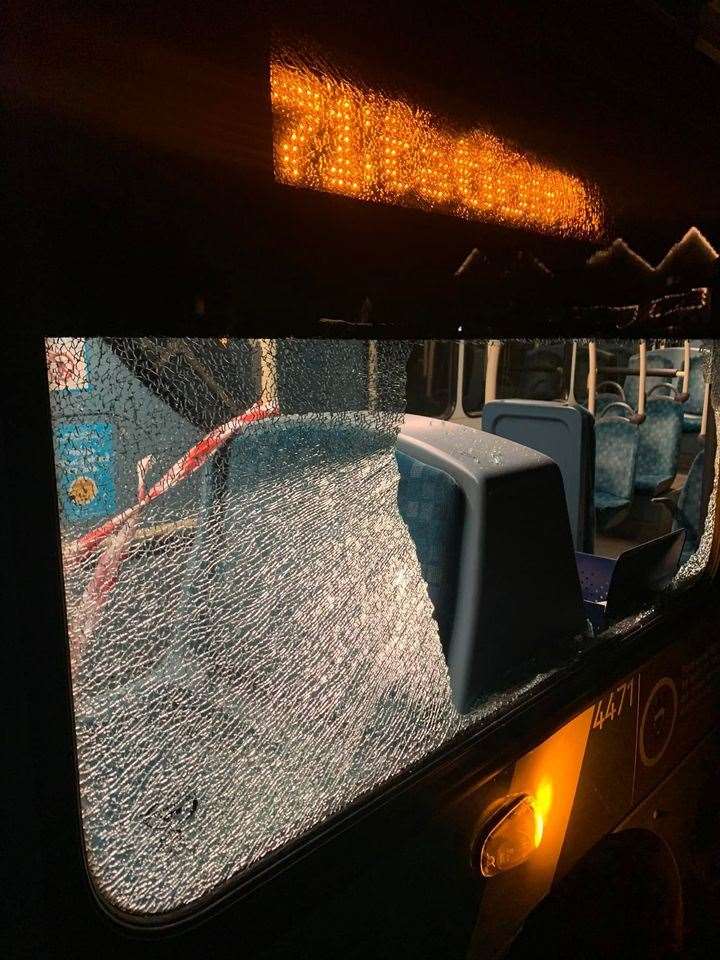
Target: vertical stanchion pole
491,370
573,365
643,378
686,370
373,395
268,371
592,375
459,386
706,408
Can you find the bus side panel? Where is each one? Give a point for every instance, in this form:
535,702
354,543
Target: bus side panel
592,773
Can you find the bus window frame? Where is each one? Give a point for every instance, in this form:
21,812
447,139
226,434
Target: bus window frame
477,414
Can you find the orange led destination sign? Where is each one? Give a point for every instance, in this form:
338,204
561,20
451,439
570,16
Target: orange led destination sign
333,136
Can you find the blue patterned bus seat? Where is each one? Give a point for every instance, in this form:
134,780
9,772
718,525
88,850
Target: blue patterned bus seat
659,446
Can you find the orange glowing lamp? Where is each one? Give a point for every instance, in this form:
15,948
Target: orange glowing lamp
511,832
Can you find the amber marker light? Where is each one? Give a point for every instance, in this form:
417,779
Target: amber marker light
512,830
338,137
542,801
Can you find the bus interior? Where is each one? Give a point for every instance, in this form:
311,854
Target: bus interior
666,446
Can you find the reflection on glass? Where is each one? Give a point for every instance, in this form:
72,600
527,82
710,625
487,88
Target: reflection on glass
431,378
474,377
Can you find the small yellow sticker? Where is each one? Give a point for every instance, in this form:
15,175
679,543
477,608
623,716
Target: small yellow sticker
82,490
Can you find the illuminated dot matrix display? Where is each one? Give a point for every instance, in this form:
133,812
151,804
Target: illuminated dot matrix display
332,136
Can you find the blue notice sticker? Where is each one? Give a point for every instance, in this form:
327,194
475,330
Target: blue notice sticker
85,468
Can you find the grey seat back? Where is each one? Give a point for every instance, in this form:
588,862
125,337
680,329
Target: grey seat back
562,432
517,590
